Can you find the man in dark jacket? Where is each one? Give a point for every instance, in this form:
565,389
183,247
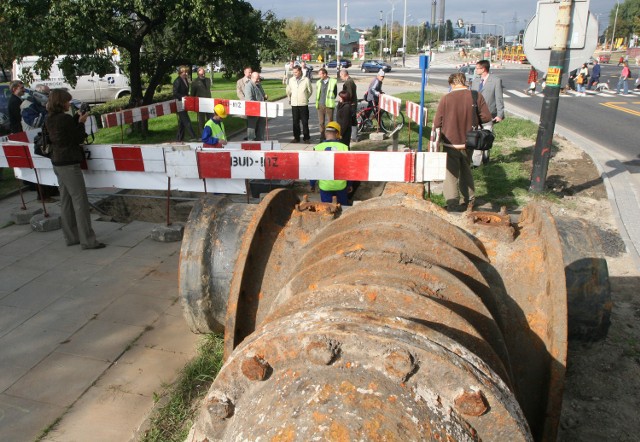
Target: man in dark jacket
181,89
201,87
595,75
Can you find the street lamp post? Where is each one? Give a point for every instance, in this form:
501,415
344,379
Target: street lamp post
393,8
380,36
484,11
404,34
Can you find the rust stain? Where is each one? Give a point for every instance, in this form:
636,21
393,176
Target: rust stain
338,432
287,434
320,418
371,296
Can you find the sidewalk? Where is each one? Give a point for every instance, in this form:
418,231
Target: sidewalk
93,334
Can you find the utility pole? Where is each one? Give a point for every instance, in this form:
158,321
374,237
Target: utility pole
380,36
404,34
615,21
484,43
393,8
338,39
548,115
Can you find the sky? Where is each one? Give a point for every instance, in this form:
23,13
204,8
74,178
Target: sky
512,14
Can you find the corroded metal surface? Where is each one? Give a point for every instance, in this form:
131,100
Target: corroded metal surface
391,320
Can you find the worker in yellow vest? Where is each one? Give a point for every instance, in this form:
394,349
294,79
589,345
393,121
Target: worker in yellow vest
326,93
331,188
213,134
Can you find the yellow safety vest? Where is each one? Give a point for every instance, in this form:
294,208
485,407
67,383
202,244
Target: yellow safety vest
332,185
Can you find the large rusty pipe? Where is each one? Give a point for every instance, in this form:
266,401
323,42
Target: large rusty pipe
392,318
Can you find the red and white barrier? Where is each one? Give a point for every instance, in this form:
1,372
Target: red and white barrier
224,170
413,112
129,116
390,104
235,107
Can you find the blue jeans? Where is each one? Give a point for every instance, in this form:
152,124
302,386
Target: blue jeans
621,82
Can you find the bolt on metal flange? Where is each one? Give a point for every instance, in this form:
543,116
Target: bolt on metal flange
255,368
472,403
399,364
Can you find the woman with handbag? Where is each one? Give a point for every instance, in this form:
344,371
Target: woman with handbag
455,118
66,134
581,81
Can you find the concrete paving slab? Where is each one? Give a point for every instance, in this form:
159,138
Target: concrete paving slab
11,317
36,295
24,246
129,235
170,334
175,310
101,257
155,288
15,276
76,273
102,340
17,416
26,345
110,414
10,373
6,260
103,228
68,315
131,269
9,235
59,379
149,248
135,309
144,371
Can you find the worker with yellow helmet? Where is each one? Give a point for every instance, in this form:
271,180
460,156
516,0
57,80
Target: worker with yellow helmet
213,133
331,188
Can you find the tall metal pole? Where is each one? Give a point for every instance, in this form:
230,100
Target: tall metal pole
346,14
542,150
484,43
404,34
434,4
393,8
338,46
615,21
380,36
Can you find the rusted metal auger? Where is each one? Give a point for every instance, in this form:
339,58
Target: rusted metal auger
391,319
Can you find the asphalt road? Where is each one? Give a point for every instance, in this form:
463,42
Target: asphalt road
605,118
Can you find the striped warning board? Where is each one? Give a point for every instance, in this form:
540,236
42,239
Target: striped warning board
129,116
413,111
391,104
235,107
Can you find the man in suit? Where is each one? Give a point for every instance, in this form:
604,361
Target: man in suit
181,89
253,91
490,87
201,87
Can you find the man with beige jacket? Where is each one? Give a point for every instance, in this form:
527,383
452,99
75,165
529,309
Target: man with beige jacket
299,91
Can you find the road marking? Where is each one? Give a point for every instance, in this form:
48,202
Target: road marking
615,105
517,93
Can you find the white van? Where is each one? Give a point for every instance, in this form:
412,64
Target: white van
90,88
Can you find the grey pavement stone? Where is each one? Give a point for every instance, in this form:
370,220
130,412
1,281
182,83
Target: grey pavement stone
69,314
15,276
164,233
103,258
376,136
41,223
76,273
103,340
9,374
24,246
19,216
155,288
170,334
8,235
129,235
11,317
175,310
149,248
144,371
134,309
26,345
23,420
6,260
35,295
105,228
58,379
110,414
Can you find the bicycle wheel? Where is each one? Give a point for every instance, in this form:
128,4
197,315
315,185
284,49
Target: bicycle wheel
388,122
364,124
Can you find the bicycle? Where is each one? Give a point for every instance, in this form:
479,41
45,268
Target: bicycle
367,119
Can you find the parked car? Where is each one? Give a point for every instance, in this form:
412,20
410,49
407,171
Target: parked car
374,66
604,58
344,63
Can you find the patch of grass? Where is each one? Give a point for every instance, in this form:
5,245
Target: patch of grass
8,183
173,420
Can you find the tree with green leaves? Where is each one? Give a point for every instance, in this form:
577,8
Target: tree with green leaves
627,23
301,36
154,36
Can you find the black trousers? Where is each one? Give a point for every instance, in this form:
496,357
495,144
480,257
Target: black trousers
301,115
184,124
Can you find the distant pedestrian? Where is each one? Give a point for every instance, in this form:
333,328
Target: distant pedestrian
288,72
454,116
582,79
253,92
350,87
180,90
621,61
595,75
490,87
201,87
241,84
299,91
533,80
307,71
624,76
343,116
326,93
571,81
13,106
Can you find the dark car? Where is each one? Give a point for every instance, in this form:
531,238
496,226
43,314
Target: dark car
343,63
374,66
